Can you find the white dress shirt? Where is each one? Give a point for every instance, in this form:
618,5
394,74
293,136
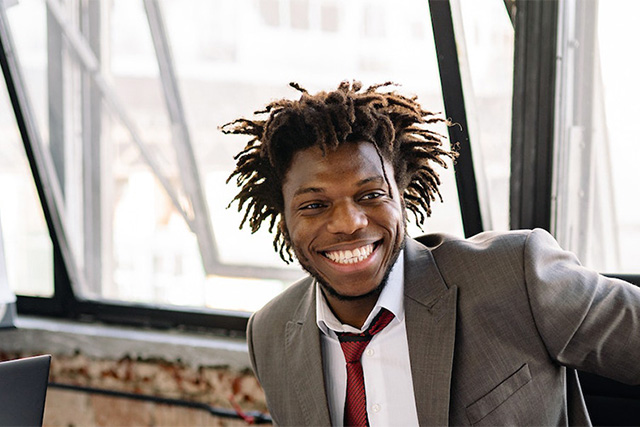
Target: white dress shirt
385,361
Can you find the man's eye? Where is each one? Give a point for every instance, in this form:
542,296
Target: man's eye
373,195
312,206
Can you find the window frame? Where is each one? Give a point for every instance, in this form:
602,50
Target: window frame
65,303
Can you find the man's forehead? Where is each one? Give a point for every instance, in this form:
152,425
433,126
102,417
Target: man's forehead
346,157
376,179
364,152
353,164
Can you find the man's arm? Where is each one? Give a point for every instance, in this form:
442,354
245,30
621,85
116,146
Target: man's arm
586,320
250,345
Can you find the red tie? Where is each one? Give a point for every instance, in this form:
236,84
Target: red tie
355,405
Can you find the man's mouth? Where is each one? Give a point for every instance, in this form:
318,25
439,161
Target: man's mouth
351,256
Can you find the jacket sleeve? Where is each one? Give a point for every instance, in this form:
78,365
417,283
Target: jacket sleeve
587,321
250,345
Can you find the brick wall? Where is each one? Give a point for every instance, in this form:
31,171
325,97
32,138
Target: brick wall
213,385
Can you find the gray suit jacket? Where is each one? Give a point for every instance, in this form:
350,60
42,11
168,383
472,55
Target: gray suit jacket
496,325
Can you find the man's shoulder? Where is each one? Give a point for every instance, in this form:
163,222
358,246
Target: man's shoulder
495,259
486,250
286,305
488,240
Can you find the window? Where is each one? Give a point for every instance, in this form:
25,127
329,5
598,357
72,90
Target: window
596,175
27,245
486,64
127,98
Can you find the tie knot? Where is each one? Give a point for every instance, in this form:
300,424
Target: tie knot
380,322
353,345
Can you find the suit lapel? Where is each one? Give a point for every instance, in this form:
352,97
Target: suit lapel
430,310
303,355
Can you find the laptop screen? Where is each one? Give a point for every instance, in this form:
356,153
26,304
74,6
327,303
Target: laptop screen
23,389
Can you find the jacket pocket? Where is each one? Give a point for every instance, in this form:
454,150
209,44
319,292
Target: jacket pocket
496,397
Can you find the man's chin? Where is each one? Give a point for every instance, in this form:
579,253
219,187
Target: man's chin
341,297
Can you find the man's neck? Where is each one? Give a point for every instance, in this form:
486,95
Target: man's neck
352,312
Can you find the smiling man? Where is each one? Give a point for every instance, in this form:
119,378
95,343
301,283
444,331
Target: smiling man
388,330
346,224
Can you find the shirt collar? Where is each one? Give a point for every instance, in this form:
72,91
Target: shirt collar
391,298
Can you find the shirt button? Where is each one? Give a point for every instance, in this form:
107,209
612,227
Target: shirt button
376,408
369,352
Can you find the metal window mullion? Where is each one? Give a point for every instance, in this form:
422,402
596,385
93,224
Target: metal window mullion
453,95
533,114
91,113
55,97
583,78
200,222
40,160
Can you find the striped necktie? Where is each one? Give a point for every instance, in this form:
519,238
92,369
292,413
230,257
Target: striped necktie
353,345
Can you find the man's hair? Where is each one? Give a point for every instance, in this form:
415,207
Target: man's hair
396,125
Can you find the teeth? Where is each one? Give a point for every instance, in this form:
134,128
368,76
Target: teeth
350,257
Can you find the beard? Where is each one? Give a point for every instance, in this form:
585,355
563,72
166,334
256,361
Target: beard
326,286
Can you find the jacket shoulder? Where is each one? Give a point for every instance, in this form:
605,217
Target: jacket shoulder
481,241
486,258
288,305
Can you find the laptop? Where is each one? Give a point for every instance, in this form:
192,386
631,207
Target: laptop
23,389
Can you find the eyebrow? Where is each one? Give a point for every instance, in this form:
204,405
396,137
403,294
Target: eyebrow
307,190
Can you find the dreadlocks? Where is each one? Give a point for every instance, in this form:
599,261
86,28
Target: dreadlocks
393,123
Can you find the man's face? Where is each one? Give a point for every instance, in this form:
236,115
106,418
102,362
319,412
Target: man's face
346,224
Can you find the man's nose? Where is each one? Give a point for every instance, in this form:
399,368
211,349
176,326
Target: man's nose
347,218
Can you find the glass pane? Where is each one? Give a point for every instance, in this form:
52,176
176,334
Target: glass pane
597,173
486,63
617,33
131,201
27,246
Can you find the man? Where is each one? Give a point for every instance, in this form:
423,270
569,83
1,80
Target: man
486,330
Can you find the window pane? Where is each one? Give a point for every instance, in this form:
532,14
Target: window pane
27,246
128,166
486,63
597,172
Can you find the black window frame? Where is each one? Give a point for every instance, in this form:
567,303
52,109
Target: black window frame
529,196
65,303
